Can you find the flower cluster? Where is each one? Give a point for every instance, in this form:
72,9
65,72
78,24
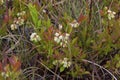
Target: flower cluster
21,13
13,26
5,75
1,2
44,11
65,62
74,24
61,39
111,14
60,27
18,21
35,37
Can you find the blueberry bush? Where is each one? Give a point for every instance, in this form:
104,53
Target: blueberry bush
59,40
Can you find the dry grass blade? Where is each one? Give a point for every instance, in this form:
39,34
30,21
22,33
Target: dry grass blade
100,67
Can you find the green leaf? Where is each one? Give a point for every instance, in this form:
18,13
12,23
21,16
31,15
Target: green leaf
48,23
62,69
74,40
39,23
118,64
34,14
